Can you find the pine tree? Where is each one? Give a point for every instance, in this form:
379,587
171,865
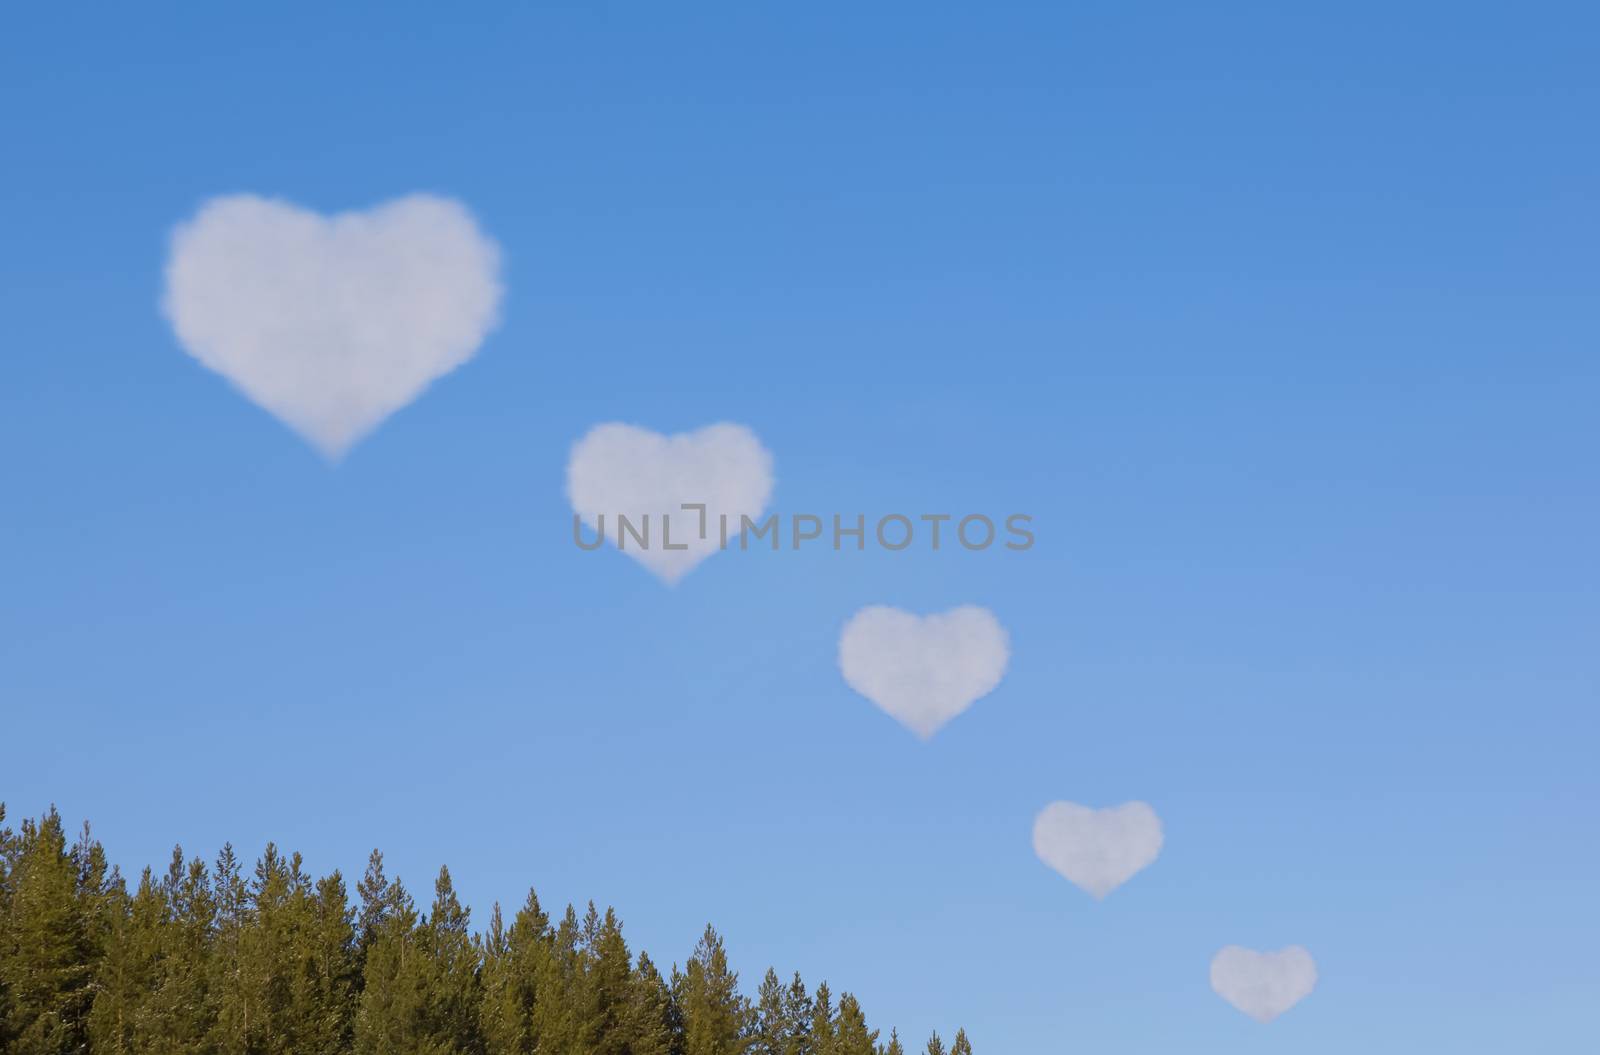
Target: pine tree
716,1018
267,955
230,1031
772,1023
102,901
558,979
851,1036
183,1008
8,862
122,1018
607,989
323,981
373,891
48,958
389,1013
451,990
100,892
935,1045
822,1032
797,1011
498,1020
207,962
514,960
656,1023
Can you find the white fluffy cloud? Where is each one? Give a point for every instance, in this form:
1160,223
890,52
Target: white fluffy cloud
1263,984
923,670
623,470
1098,850
332,323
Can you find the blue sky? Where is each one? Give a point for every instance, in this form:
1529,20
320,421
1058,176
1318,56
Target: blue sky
1280,323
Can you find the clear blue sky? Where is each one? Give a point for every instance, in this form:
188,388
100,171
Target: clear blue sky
1282,324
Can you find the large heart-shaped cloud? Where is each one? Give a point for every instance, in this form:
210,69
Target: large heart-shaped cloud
1263,984
332,323
1099,850
623,471
923,670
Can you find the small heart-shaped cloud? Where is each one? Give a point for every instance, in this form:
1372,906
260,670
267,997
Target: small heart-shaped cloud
1263,984
622,471
332,323
1099,850
923,670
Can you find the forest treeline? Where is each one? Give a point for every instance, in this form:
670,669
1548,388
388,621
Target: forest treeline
209,959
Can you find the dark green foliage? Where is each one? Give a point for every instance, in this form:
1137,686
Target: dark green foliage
215,961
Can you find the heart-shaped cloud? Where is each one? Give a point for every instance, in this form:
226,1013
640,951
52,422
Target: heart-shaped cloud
623,471
1099,850
1263,984
332,323
923,670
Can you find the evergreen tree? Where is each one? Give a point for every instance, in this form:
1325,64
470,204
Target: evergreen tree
935,1045
208,962
851,1035
122,1019
451,991
48,958
822,1035
716,1019
376,902
100,892
656,1024
772,1021
389,1013
513,961
8,861
558,980
182,1009
607,990
230,1031
267,956
323,983
797,1011
497,1016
